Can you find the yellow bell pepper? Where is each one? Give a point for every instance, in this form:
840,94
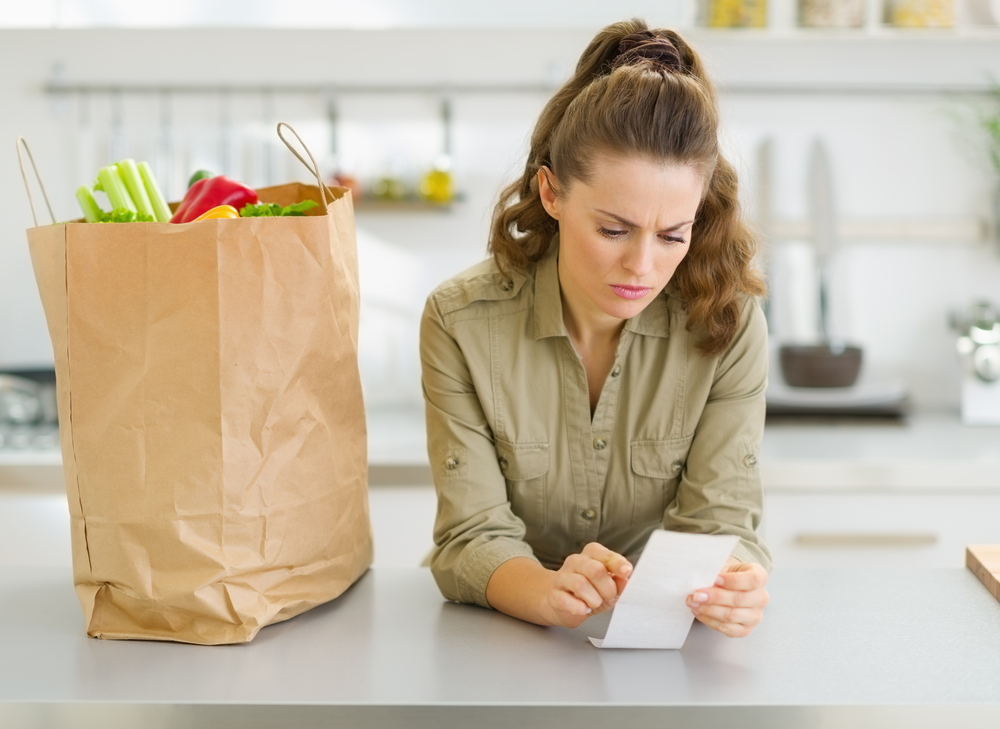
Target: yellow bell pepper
220,211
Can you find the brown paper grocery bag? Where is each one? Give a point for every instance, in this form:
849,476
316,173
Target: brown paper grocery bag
212,425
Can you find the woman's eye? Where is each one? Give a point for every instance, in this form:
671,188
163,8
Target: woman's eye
611,233
671,239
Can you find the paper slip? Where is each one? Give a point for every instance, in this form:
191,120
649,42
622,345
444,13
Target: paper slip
652,611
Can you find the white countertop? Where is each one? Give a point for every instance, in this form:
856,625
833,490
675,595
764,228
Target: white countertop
392,652
926,451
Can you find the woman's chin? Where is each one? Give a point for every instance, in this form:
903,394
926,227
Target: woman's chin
620,308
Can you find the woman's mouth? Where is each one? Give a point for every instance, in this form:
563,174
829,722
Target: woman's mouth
630,292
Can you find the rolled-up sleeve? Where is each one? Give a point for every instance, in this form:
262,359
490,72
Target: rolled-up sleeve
720,490
475,530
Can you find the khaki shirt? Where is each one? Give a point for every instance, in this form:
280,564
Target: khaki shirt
520,468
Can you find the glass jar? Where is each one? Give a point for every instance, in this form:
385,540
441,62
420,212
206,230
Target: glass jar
923,13
736,13
832,13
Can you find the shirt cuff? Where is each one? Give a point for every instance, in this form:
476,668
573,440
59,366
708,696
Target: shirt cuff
479,568
746,552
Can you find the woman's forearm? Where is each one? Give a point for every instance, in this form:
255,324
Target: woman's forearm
586,584
519,587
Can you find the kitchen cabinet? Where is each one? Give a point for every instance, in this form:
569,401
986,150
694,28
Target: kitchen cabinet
881,493
861,529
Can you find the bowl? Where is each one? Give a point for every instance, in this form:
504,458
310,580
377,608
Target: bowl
820,365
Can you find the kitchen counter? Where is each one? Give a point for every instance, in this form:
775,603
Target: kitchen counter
925,451
837,648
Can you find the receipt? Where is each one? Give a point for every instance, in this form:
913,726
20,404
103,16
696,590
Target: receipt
652,611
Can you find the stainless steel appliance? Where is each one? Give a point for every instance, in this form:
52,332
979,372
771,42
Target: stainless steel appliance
979,348
28,419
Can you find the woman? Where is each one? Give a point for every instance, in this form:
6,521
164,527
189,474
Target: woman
603,375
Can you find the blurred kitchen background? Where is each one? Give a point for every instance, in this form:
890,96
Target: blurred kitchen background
889,96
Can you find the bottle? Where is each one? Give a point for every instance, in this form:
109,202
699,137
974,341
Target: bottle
437,187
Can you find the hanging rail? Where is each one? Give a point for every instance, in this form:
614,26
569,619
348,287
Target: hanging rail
332,89
734,88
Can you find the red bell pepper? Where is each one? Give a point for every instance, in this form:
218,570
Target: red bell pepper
211,192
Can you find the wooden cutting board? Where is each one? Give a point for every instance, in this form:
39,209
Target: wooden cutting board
984,561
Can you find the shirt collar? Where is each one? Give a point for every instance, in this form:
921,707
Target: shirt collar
653,321
548,302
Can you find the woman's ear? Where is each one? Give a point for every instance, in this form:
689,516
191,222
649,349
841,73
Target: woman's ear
547,192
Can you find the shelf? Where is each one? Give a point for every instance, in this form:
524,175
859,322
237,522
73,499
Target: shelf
743,61
884,34
403,206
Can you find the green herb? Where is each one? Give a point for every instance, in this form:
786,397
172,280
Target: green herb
124,215
273,210
978,124
989,121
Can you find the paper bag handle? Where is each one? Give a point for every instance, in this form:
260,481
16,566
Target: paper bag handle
22,142
314,168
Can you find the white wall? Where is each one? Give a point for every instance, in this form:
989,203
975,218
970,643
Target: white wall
892,156
373,14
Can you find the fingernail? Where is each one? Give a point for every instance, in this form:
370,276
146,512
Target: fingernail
700,597
587,611
613,600
719,581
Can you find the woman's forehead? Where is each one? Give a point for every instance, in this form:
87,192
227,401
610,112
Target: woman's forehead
638,186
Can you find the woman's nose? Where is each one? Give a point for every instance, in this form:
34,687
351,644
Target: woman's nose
639,258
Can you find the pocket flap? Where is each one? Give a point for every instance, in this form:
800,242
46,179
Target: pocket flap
523,461
660,458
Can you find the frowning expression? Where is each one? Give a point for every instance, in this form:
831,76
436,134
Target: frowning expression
622,233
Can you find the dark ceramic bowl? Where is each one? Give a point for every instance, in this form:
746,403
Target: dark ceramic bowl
820,366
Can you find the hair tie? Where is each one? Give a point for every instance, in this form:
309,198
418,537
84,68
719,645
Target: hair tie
647,46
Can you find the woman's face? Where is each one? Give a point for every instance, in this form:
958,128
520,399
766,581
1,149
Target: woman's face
622,234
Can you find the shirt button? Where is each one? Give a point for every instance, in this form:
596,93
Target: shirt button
676,466
600,444
616,371
451,463
506,284
589,515
503,464
750,461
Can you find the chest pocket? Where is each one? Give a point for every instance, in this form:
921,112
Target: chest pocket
657,466
525,467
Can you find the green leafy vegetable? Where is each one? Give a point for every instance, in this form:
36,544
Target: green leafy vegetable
273,210
124,215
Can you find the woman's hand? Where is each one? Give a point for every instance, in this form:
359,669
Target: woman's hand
587,584
736,603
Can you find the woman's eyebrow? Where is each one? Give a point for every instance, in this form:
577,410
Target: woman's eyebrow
629,223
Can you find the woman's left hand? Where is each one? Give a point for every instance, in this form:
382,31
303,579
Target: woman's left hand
736,603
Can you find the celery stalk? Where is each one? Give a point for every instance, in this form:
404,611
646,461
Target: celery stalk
161,211
129,173
112,184
91,210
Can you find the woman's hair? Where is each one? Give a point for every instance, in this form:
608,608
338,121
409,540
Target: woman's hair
640,92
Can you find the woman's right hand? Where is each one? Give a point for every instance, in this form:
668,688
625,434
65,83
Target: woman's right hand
587,584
